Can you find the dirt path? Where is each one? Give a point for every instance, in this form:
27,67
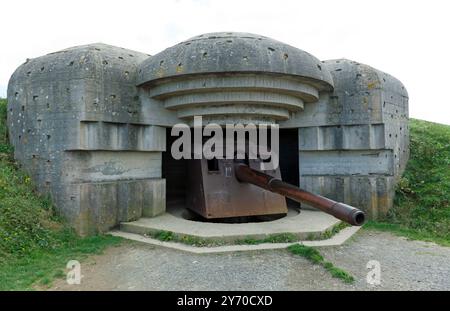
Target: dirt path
405,265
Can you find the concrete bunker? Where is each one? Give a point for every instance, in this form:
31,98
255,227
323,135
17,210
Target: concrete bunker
91,124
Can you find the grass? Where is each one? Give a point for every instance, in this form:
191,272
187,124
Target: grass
332,231
273,238
411,234
169,236
315,257
42,266
422,201
35,244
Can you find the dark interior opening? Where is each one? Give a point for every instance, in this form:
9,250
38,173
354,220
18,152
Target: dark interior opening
175,173
289,165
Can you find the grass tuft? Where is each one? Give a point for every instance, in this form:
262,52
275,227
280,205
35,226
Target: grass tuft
169,236
272,238
315,257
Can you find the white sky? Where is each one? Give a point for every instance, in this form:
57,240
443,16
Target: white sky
407,39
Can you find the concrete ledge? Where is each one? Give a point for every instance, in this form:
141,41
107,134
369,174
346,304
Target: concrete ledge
337,239
307,225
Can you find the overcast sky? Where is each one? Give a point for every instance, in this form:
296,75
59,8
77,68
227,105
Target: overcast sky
407,39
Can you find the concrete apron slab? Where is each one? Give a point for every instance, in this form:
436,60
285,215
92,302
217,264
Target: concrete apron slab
308,226
337,239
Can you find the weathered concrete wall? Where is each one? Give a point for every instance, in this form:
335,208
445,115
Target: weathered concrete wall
354,142
79,129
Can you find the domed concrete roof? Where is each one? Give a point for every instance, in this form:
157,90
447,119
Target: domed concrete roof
81,62
347,72
233,52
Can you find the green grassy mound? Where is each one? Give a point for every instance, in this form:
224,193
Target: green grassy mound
422,200
35,244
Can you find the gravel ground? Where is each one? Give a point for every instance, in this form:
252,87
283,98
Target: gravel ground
405,265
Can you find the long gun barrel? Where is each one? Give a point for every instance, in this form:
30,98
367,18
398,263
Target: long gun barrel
341,211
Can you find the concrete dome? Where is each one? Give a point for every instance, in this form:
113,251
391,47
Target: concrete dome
234,52
234,77
345,71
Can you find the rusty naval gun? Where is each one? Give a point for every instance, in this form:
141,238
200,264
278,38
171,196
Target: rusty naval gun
237,188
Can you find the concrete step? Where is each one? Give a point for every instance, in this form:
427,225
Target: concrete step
338,239
307,225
